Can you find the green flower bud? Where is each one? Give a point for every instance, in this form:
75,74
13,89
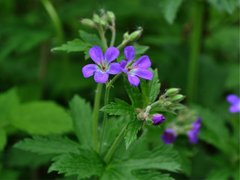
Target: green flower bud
126,36
88,22
172,91
177,98
136,34
110,15
96,18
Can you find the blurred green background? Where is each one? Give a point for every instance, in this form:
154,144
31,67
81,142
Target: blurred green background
193,44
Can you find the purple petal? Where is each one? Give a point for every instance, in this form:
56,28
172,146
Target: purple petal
129,53
134,80
232,98
192,136
101,77
114,68
89,70
123,63
143,62
96,54
111,54
144,73
235,108
169,136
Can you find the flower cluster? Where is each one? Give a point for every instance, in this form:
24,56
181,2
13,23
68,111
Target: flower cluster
105,65
234,100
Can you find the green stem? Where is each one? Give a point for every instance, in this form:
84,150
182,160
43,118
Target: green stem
114,145
195,45
96,115
113,29
55,19
123,44
106,99
102,36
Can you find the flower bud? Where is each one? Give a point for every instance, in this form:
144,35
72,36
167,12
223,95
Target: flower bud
177,98
88,22
126,36
110,15
158,119
135,35
172,91
96,18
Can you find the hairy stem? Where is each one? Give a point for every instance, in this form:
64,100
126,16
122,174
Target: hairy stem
106,99
102,36
113,29
96,116
115,144
195,45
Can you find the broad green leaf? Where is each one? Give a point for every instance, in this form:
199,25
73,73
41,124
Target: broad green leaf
132,163
151,89
131,132
82,119
91,39
225,5
170,9
3,139
133,94
20,159
140,49
42,118
75,45
48,145
119,107
210,131
85,164
151,175
9,102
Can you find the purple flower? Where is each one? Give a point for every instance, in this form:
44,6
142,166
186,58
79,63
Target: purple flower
136,69
234,100
194,132
158,119
104,64
169,136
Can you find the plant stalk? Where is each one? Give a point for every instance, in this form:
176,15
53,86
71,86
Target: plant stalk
115,144
96,116
106,99
195,46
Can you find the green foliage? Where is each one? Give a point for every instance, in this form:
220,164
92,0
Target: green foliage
42,118
85,164
3,139
75,45
48,145
138,159
151,89
118,108
132,131
133,94
170,9
82,119
225,5
9,103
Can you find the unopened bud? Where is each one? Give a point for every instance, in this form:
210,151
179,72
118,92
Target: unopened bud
172,92
158,119
110,15
135,35
126,36
88,22
177,98
96,18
